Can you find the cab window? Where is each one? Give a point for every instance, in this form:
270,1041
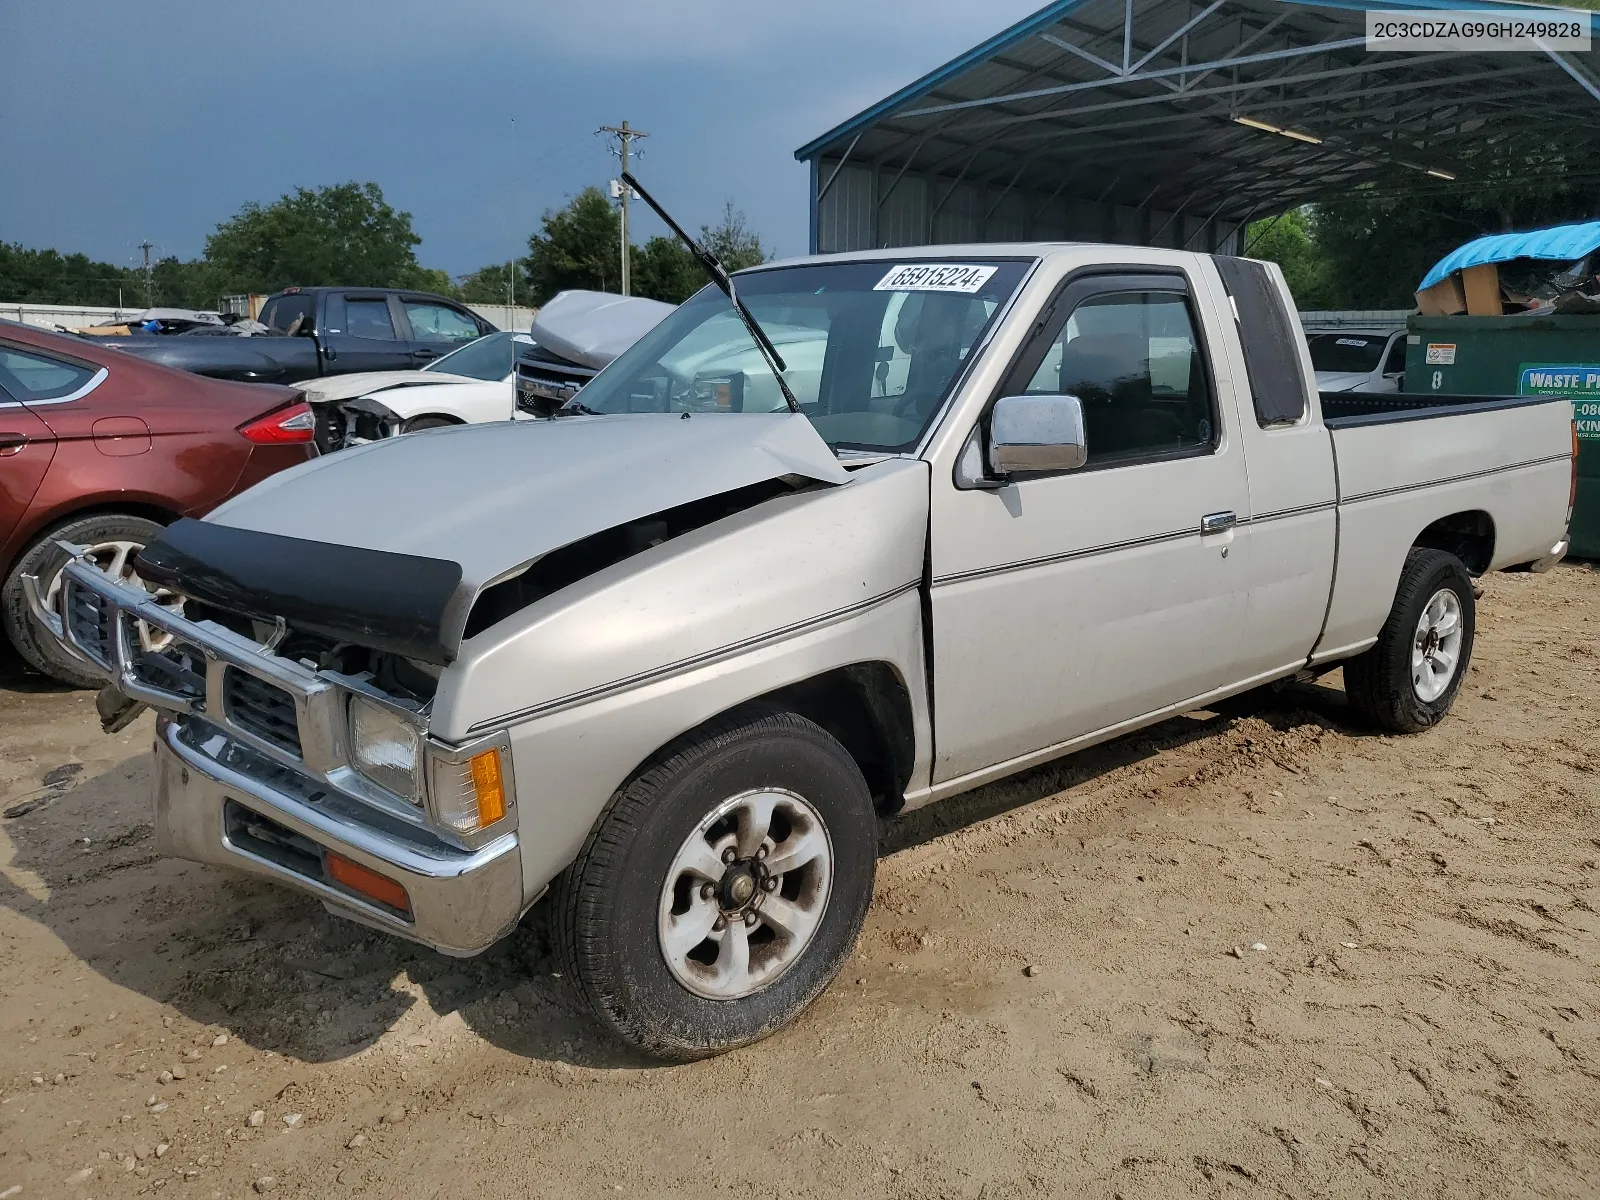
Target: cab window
1133,359
432,322
368,317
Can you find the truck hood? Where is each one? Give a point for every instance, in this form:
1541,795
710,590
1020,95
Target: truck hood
454,510
348,387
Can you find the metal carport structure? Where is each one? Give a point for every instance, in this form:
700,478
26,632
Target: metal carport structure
1177,122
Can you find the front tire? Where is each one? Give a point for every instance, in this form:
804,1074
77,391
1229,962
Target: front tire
1408,680
723,887
113,540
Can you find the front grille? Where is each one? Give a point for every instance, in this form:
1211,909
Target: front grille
89,618
258,707
178,669
545,385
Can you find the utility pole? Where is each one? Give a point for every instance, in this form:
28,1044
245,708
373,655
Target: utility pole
511,274
149,291
625,138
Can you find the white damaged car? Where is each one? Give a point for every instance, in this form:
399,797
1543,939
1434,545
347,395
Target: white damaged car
468,386
572,337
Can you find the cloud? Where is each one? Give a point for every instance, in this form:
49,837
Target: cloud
159,119
647,30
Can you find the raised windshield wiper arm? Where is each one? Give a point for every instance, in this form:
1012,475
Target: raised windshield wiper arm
719,276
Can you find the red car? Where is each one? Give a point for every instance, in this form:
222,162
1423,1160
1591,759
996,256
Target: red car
102,449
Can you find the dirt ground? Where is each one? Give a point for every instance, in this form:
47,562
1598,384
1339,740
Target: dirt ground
1255,951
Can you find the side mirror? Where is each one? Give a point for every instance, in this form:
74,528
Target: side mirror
1036,433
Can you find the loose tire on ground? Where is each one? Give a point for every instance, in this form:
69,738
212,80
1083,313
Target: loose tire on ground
1401,683
44,560
620,905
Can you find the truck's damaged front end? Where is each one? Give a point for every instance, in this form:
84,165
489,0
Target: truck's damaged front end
300,750
363,641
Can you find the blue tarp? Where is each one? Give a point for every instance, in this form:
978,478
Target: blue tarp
1563,243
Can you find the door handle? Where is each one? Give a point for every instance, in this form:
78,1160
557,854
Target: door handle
10,443
424,354
1218,522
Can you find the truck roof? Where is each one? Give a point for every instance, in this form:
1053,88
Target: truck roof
355,287
968,250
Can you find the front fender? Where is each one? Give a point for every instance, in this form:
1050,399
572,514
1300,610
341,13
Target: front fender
570,762
764,573
597,677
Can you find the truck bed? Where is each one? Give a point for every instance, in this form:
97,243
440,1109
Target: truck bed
1496,471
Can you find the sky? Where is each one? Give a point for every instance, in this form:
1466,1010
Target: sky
160,118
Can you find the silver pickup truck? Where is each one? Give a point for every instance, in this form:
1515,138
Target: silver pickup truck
676,650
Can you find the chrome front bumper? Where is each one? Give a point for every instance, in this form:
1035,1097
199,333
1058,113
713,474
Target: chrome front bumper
210,811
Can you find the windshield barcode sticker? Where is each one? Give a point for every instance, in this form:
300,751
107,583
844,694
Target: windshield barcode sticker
935,277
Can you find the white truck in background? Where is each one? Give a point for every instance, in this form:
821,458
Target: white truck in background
675,650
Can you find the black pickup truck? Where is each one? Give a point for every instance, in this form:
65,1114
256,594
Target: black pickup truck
323,331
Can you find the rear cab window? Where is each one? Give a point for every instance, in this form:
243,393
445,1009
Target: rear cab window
291,315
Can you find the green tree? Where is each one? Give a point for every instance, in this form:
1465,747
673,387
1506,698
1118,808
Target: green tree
577,248
50,277
665,270
343,234
732,240
1290,242
1379,243
491,284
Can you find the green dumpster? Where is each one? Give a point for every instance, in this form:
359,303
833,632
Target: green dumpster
1518,356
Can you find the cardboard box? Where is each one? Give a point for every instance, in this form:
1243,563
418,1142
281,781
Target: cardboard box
1443,299
1482,286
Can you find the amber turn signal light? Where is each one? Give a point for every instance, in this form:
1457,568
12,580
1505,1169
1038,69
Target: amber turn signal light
489,786
368,883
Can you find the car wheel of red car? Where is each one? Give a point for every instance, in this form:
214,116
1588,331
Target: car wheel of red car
113,540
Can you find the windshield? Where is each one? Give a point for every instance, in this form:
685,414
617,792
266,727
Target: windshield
1347,352
871,347
489,357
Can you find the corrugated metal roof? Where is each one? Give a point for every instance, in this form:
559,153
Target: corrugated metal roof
1225,107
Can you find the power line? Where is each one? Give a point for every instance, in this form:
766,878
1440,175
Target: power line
625,139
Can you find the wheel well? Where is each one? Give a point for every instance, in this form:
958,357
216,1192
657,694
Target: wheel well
867,708
132,508
1467,535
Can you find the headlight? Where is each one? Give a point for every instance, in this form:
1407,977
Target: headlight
386,748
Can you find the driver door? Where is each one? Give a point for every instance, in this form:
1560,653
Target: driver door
1072,603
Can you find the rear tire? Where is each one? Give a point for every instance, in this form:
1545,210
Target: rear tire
1407,681
684,845
44,559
